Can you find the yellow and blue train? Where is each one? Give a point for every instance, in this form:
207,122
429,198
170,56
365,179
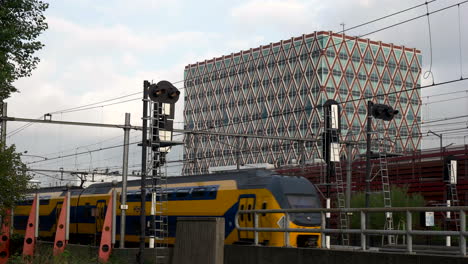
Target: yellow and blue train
213,195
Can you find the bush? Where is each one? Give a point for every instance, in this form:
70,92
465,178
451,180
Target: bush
400,198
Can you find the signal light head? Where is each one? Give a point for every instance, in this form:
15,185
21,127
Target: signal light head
163,92
384,112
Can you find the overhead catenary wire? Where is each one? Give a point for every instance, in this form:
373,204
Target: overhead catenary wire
366,23
261,56
81,153
247,121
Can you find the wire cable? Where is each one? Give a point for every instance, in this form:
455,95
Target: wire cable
261,56
429,72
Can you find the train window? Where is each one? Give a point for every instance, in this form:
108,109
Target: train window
181,194
25,202
249,216
242,215
44,200
134,196
212,192
302,201
87,210
264,206
198,192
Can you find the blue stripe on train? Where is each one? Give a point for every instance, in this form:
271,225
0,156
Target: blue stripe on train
46,222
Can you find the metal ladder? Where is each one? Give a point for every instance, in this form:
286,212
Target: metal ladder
340,195
455,202
386,194
453,197
159,228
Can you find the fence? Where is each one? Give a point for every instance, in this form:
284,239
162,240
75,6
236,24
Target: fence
363,231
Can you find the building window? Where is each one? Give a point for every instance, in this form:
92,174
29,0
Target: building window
362,110
323,71
330,53
349,76
368,59
309,73
380,62
298,76
362,77
356,58
397,82
386,80
343,91
292,93
343,56
336,73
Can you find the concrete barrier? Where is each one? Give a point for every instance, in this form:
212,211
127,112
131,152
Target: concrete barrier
199,240
236,254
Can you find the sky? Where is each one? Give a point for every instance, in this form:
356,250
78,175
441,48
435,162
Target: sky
99,50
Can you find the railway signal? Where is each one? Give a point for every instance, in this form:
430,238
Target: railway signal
381,111
163,92
378,111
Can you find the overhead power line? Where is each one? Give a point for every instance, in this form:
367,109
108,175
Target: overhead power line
261,56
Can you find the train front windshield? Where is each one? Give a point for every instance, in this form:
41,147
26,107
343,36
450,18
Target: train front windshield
302,201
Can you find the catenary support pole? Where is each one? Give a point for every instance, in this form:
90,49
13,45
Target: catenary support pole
123,196
349,149
143,173
368,159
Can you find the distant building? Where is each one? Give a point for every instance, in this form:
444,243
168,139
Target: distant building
277,89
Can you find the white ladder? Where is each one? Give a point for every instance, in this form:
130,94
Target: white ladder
340,195
386,195
159,225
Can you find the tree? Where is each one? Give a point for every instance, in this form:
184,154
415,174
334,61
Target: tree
400,198
13,178
21,23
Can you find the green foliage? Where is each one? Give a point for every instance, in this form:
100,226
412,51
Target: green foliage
43,255
21,23
400,198
15,181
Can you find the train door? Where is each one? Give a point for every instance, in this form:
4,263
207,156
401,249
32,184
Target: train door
246,202
100,215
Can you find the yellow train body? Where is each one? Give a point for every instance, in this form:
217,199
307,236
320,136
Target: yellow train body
214,195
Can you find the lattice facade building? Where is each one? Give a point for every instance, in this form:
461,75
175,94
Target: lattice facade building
278,89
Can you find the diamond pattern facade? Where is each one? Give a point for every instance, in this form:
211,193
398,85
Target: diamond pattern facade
278,89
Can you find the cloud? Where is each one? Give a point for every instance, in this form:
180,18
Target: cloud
274,13
115,37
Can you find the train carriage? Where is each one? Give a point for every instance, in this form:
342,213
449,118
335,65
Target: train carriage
214,195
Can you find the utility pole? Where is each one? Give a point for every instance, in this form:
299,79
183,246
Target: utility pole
238,153
440,139
349,150
144,134
123,205
368,153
